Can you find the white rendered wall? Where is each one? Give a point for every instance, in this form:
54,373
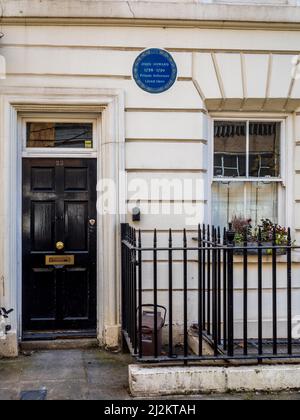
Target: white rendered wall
167,135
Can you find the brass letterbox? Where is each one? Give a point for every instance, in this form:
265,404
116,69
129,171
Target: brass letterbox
60,260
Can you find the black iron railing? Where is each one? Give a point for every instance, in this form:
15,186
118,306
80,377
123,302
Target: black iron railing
220,292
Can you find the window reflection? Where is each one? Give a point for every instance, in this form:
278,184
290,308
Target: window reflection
250,200
60,135
264,149
230,149
227,199
262,201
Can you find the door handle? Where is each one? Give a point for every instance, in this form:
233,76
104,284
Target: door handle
60,246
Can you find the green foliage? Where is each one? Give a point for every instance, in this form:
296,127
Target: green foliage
244,231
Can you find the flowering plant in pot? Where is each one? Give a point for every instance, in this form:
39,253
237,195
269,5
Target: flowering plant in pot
243,230
266,234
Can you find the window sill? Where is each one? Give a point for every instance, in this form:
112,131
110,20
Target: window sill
267,259
245,179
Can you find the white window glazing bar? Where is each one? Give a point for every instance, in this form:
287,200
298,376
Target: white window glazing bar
245,200
247,147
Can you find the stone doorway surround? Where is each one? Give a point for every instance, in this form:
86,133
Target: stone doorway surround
109,104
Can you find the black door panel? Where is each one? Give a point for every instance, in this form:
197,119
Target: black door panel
76,226
59,199
76,179
75,287
43,294
42,225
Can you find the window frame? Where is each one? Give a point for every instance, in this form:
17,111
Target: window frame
280,181
246,120
60,151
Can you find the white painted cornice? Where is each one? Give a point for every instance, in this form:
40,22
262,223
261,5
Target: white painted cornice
169,13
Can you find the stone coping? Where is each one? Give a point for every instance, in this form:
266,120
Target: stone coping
165,381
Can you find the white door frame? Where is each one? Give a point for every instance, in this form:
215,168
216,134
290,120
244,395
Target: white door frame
111,162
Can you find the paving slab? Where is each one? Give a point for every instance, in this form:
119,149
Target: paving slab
74,374
87,374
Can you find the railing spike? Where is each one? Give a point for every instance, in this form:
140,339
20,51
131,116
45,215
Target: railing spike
259,236
155,238
224,236
184,238
289,237
213,254
199,235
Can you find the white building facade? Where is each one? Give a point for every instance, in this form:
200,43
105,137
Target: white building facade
228,131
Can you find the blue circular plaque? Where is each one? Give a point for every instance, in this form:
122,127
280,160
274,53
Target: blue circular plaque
155,71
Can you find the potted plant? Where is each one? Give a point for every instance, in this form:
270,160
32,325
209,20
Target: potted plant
272,233
264,234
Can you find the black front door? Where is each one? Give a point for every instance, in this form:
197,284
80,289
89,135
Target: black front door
59,244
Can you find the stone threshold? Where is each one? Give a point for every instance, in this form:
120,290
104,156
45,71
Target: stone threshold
69,344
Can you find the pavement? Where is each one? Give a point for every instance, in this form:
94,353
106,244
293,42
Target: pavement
66,375
89,374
